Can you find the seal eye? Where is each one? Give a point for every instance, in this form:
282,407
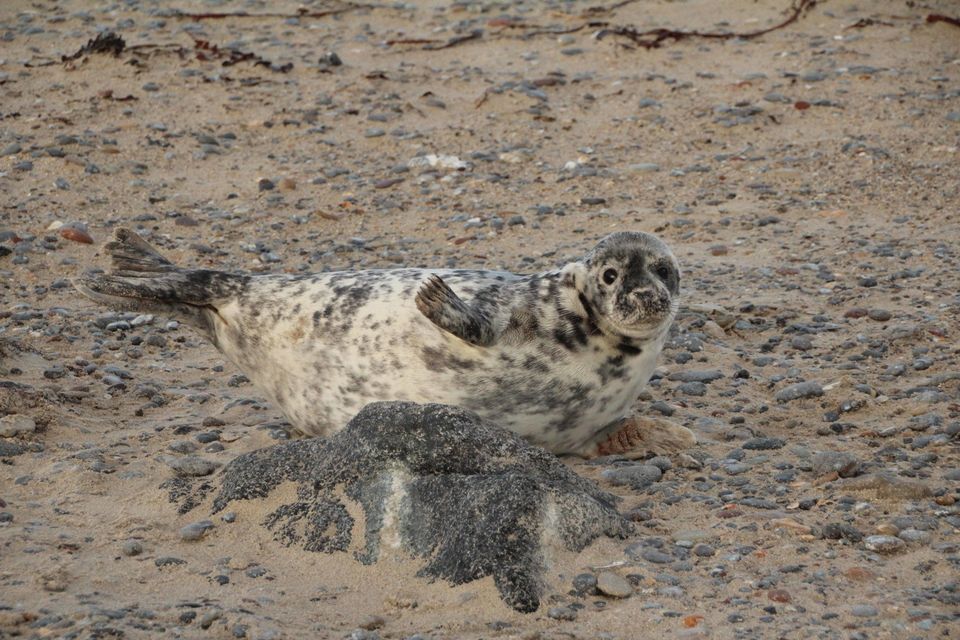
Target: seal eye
663,272
610,276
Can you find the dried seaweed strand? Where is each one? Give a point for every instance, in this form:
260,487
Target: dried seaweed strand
654,38
939,17
301,13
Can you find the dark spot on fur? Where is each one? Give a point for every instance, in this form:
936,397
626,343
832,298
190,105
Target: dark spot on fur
628,348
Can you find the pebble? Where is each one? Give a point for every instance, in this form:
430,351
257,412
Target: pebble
636,476
846,465
693,389
763,444
883,544
613,585
15,424
880,315
192,466
195,531
695,376
168,561
864,610
585,584
562,613
132,548
809,389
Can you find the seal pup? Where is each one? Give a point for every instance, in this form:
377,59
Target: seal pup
558,357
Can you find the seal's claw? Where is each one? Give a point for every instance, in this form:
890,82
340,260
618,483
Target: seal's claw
640,436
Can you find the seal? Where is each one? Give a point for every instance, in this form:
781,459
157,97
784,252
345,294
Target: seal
559,357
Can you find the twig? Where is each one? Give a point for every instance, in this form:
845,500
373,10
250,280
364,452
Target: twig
476,34
592,11
867,22
653,38
301,13
939,17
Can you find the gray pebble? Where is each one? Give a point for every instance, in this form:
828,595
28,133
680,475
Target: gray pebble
656,557
195,531
763,444
562,613
693,389
695,375
168,561
883,544
132,548
614,585
808,389
636,476
864,610
585,584
845,464
192,466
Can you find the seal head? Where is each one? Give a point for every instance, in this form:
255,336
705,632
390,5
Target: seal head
629,284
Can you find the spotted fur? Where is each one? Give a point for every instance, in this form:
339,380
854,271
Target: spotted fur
558,357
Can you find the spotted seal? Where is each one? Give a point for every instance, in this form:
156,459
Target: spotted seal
559,357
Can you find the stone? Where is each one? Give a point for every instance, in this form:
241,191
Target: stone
635,476
192,466
846,465
887,486
16,424
763,444
614,585
884,544
585,584
465,497
131,548
195,530
809,389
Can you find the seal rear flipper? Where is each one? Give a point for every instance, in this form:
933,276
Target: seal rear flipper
444,308
143,280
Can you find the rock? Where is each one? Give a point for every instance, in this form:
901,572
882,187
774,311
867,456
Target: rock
693,389
864,610
846,465
192,466
16,424
562,613
635,476
168,561
809,389
468,498
706,376
887,486
614,585
131,548
763,444
884,544
585,584
195,530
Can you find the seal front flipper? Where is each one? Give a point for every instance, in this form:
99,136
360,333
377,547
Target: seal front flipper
445,309
143,280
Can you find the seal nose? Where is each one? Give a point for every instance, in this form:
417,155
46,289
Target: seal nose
652,299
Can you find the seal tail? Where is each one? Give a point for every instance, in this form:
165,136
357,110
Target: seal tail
143,280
